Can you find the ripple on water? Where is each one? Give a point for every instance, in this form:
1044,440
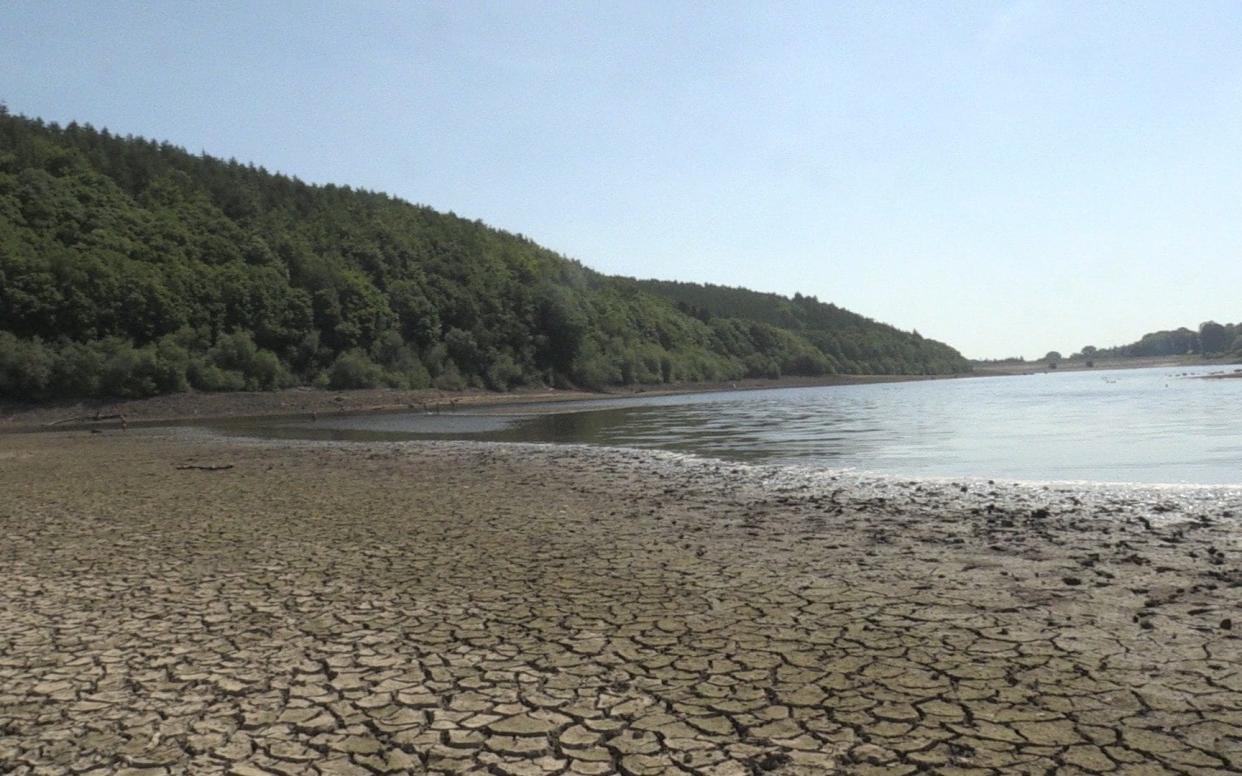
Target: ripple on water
1144,425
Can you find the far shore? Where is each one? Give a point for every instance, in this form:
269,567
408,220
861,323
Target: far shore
1037,366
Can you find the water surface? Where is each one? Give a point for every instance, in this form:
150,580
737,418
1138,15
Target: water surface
1137,425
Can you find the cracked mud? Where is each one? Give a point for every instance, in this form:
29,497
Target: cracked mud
459,608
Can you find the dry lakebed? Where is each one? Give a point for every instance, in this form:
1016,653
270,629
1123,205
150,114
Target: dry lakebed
178,602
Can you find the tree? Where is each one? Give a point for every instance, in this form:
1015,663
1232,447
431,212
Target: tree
561,326
1213,338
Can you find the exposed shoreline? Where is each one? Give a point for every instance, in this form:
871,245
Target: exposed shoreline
999,369
447,607
194,407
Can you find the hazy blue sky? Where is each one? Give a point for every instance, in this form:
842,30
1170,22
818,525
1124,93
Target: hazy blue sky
1010,177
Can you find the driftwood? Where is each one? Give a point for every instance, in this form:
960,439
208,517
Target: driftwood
206,467
87,419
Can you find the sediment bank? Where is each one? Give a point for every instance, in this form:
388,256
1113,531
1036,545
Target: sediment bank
461,607
193,407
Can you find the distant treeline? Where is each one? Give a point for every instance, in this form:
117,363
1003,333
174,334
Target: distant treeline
1212,339
130,268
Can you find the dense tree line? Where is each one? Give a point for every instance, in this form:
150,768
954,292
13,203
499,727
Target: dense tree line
1212,339
130,268
841,342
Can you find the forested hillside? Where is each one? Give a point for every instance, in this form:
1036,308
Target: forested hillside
849,342
130,268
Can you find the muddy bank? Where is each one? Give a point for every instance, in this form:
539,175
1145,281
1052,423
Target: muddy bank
295,402
306,402
456,607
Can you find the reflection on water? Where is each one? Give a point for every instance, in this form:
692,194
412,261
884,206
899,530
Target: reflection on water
1149,425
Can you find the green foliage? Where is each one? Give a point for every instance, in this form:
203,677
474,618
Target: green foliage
450,379
133,373
26,367
402,366
260,370
1212,339
206,376
354,369
503,373
77,372
33,369
129,268
802,335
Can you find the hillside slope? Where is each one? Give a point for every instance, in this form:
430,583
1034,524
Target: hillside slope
130,268
851,343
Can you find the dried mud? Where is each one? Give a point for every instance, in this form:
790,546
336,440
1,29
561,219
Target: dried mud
470,608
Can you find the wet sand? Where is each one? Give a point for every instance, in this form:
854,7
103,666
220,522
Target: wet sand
464,607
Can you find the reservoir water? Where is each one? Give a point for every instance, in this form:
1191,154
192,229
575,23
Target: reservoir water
1163,425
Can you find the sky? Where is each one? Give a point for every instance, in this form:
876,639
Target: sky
1007,177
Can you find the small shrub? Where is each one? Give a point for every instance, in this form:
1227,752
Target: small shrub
260,369
595,371
206,376
450,379
354,369
77,371
26,367
130,373
503,373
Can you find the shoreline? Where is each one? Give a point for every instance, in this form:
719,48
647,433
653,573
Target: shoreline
807,475
1010,369
194,407
181,601
304,402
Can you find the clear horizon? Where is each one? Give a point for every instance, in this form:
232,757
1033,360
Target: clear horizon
1009,178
